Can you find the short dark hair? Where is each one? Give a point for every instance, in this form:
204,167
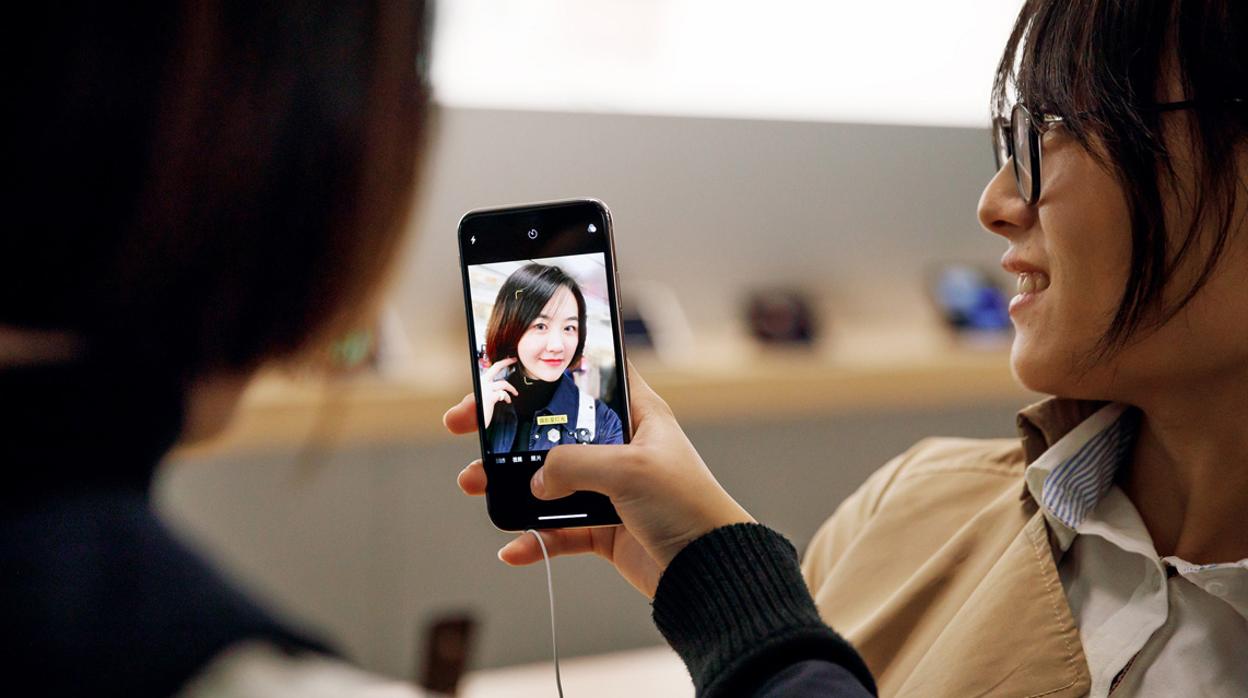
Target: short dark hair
204,186
520,301
1098,64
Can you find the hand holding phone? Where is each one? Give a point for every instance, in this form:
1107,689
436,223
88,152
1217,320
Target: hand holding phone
664,492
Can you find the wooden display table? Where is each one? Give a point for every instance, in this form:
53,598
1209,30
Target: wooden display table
280,413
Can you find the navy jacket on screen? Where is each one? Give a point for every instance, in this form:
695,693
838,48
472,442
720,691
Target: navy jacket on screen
566,402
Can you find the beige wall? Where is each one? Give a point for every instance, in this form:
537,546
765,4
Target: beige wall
712,207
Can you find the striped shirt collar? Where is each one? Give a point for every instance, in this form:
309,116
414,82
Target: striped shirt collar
1043,424
1072,475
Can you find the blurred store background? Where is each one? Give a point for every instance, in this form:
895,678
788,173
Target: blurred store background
825,153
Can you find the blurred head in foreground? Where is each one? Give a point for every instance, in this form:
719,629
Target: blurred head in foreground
200,188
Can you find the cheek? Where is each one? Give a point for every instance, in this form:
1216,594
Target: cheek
1087,237
530,345
1090,271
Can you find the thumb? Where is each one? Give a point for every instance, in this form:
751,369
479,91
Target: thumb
573,468
462,418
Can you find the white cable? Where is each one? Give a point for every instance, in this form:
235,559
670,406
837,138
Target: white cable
550,588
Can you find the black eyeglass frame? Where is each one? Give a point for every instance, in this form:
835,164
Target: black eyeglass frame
1005,139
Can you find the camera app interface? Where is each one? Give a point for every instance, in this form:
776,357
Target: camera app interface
543,331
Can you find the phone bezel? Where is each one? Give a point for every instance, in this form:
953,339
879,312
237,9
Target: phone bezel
512,507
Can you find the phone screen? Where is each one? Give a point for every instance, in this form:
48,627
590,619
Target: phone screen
545,345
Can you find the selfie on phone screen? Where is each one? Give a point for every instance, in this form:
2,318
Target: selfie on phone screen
547,357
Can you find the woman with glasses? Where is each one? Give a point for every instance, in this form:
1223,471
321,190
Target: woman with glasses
1105,550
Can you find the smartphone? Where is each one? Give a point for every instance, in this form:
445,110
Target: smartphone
546,350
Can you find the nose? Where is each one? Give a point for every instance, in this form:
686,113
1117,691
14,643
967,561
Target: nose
1001,210
554,345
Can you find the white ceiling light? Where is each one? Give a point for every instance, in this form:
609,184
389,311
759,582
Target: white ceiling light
906,61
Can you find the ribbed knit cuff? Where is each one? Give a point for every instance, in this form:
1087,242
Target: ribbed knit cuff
734,606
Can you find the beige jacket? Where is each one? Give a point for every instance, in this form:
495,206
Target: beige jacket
941,570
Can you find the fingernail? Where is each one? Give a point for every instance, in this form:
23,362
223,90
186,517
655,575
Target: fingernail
500,553
538,483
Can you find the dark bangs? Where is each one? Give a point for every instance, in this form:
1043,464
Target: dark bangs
1100,65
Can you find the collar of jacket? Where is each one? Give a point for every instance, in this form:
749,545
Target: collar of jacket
1041,425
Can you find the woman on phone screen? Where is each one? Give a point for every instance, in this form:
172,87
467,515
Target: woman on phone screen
535,336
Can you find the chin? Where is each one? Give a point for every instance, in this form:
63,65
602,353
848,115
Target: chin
1037,368
1051,371
546,373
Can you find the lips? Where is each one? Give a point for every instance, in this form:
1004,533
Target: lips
1032,280
552,362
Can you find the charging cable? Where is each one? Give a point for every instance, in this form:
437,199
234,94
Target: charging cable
550,588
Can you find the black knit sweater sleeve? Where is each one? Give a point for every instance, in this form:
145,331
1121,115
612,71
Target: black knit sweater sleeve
735,608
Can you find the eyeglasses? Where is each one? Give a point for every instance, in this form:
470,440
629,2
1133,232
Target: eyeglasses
1019,136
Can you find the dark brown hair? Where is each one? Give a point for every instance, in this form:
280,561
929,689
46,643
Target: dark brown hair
1099,64
521,300
205,186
